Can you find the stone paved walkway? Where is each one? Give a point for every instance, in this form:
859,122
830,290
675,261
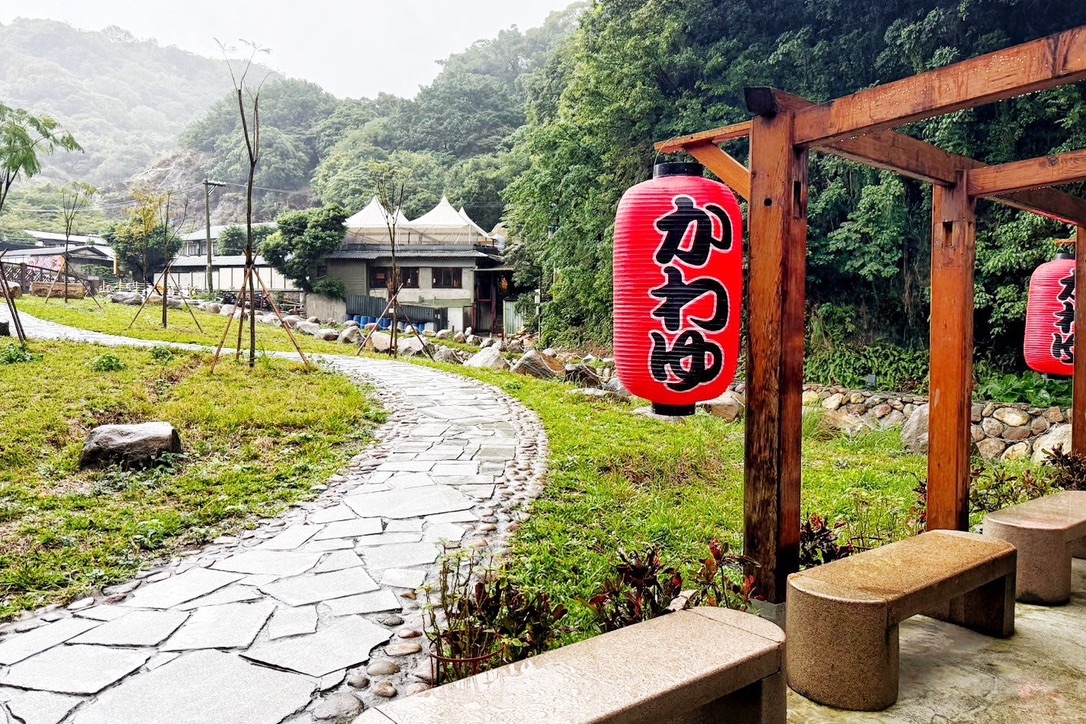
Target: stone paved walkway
309,615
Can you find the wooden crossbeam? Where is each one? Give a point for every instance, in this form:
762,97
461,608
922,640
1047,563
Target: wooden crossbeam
1046,63
1062,168
917,159
715,135
895,152
726,168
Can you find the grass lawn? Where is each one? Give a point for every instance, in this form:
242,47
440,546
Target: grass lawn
254,442
115,318
618,481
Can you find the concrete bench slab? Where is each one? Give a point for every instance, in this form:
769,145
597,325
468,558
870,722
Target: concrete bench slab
842,619
701,665
1048,532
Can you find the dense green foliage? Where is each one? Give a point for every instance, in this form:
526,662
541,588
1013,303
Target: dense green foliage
303,241
452,138
640,71
144,242
232,239
24,139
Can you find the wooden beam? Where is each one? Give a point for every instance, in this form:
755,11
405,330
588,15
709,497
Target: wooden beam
1078,400
715,135
1033,173
917,159
734,174
1046,63
773,435
953,257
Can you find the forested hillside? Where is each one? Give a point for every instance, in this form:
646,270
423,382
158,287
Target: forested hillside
125,100
638,71
453,137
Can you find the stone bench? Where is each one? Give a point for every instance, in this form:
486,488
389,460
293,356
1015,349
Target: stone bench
842,618
699,665
1048,532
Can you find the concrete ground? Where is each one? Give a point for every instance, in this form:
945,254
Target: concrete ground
950,674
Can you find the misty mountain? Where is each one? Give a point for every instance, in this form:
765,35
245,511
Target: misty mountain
125,100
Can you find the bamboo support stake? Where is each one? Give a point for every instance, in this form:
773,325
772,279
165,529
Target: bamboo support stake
275,308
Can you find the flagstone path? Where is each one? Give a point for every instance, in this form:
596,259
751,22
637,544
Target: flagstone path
310,615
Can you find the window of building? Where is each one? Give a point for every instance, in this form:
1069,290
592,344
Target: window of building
448,278
379,276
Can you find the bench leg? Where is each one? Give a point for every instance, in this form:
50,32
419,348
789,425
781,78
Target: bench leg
841,654
988,609
1044,562
763,702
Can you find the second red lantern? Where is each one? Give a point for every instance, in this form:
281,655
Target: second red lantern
1050,318
678,286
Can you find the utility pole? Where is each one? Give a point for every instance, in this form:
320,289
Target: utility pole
207,218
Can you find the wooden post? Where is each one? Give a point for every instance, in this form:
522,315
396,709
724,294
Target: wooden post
1078,403
953,256
778,265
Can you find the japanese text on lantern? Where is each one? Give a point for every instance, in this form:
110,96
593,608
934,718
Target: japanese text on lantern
1063,339
688,359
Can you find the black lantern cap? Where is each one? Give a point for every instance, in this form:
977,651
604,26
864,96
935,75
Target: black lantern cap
673,410
675,168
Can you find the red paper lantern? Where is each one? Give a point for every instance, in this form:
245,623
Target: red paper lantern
678,270
1050,318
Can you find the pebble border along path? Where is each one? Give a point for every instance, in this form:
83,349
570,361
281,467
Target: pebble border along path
310,616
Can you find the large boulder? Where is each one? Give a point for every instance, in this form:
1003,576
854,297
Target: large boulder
582,375
291,320
834,421
615,385
379,342
1059,435
227,310
443,334
409,346
350,335
129,445
536,364
728,406
310,328
125,298
474,340
914,433
488,359
326,335
212,307
448,354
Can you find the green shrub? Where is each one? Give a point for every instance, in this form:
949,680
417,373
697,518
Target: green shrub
1031,387
895,368
107,362
331,287
14,354
161,354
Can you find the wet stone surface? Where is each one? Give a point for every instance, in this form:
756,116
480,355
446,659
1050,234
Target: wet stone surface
282,623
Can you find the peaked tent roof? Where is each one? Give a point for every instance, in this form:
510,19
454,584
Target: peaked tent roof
464,215
372,215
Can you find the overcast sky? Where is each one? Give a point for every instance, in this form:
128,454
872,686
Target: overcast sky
352,48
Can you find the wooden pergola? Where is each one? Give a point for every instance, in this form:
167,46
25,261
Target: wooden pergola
860,127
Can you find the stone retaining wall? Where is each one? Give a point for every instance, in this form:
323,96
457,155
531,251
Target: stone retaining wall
1005,431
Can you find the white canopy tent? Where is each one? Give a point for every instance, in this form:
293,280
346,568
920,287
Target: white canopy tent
445,225
371,223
